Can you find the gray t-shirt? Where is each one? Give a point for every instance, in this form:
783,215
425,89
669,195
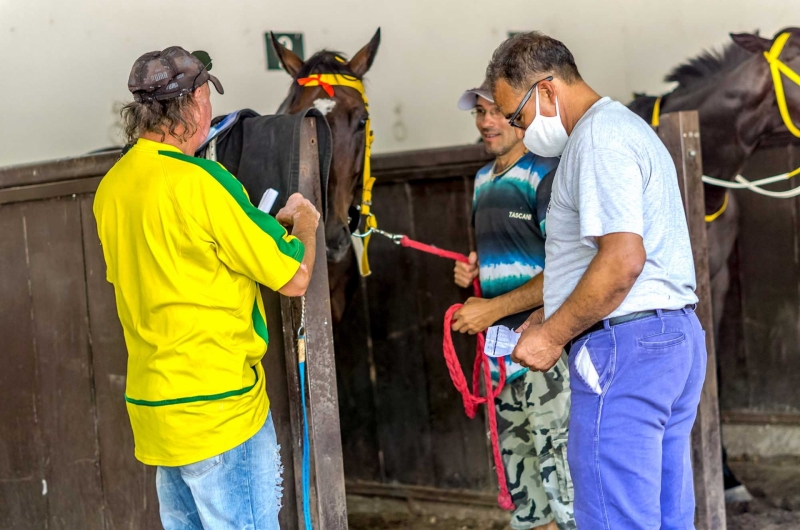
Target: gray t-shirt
616,176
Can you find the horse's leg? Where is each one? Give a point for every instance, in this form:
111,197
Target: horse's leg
720,284
721,240
721,236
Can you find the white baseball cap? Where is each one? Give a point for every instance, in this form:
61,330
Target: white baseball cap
469,98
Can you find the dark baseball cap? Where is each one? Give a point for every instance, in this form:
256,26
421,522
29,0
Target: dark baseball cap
170,73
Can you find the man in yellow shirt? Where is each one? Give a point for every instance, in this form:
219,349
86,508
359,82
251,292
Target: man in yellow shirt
185,250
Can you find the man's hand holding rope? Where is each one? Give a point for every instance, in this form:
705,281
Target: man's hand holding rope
476,315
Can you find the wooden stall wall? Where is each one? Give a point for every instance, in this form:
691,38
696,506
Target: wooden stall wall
49,415
759,346
403,423
66,446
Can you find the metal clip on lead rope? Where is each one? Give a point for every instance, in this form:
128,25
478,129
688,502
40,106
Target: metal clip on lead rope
396,238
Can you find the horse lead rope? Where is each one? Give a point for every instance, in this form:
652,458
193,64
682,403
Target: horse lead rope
301,368
327,82
472,398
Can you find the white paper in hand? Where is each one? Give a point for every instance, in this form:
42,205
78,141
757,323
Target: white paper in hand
500,341
267,200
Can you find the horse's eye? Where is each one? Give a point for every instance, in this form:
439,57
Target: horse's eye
362,124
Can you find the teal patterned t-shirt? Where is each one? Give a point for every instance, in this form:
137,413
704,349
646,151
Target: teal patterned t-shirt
509,218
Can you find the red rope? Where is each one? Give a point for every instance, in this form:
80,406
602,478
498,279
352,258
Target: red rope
471,398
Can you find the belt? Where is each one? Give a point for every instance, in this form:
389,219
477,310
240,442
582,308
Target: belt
630,317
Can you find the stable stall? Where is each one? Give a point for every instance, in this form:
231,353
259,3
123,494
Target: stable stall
67,450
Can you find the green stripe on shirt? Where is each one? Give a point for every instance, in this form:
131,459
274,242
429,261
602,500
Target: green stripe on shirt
292,248
193,399
258,322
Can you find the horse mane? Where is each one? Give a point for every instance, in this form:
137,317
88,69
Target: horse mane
322,62
707,65
326,62
712,62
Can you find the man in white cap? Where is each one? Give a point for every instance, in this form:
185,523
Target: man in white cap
509,206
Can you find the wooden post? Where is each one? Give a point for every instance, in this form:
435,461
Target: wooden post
680,132
329,511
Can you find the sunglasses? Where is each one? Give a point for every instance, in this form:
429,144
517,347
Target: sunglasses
513,119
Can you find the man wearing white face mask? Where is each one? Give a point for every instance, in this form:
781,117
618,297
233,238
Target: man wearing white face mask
618,291
508,207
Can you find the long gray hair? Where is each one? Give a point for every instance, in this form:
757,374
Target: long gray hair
156,116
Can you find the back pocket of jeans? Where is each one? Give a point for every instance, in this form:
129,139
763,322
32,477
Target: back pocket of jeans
202,467
662,340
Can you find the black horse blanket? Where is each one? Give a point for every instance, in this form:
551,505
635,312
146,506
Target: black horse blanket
264,152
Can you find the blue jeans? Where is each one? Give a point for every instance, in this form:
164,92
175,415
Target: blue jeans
635,391
239,489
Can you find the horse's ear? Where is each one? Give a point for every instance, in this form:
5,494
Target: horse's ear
751,42
362,61
289,60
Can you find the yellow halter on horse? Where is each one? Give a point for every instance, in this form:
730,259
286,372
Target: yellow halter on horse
327,82
656,119
778,67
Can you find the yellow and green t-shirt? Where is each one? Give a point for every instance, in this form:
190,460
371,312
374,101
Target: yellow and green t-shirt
185,250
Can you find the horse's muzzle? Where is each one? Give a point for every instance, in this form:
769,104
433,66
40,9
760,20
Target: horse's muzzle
337,242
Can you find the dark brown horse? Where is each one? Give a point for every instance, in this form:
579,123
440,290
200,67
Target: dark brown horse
734,95
347,116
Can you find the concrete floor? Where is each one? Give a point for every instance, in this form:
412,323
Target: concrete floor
374,513
774,482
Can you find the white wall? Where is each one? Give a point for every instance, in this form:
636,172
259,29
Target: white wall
64,63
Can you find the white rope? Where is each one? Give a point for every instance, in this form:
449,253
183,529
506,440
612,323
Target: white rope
755,186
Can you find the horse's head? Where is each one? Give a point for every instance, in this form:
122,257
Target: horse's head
779,61
347,115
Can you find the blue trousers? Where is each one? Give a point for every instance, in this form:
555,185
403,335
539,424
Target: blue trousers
239,489
635,391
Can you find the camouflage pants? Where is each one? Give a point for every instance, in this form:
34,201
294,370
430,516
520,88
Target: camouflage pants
533,420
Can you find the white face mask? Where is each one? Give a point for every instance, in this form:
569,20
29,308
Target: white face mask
546,135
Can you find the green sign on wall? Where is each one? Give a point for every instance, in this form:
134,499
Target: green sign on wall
293,41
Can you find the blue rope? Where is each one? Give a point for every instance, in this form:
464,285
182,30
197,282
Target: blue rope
306,454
